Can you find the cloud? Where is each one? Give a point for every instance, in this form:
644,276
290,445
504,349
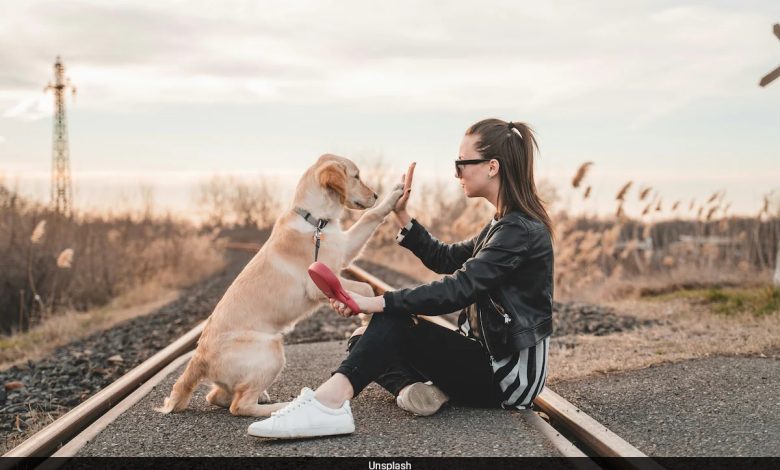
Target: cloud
645,61
30,109
2,139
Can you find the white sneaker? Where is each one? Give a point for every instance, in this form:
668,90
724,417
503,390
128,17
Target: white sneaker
305,417
422,399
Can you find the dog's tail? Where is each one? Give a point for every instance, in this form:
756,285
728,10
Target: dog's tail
184,386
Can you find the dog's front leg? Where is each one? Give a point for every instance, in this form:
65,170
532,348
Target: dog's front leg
361,231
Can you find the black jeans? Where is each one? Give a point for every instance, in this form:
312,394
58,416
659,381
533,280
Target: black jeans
397,350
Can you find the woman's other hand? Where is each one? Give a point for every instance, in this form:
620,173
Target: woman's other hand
366,304
400,205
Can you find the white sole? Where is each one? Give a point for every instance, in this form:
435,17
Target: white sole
308,432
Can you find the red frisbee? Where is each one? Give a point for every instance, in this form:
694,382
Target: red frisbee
329,285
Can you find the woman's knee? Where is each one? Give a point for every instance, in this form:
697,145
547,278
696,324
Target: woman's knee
401,324
391,320
358,331
355,337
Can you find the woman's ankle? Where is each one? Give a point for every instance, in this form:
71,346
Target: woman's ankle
334,391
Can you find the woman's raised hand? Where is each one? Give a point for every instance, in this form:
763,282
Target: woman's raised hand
400,206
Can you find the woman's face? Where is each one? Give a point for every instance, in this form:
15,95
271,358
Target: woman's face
474,178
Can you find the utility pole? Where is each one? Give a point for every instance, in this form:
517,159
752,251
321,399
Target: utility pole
61,189
766,80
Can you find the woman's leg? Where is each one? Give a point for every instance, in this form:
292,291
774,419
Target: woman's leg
458,365
397,376
377,350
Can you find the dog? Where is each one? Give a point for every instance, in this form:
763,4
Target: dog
240,350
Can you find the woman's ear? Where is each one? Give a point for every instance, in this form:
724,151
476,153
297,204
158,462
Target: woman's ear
333,175
494,165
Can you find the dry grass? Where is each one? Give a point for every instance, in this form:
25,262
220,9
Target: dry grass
582,171
691,329
673,279
64,279
53,264
56,331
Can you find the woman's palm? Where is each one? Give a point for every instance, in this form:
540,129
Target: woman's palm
406,179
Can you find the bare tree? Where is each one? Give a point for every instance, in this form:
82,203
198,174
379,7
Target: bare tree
212,197
253,203
231,200
146,192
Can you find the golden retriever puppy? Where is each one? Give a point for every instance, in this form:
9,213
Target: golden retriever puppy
240,350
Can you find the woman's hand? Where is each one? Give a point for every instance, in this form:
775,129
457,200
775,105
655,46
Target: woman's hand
400,205
366,304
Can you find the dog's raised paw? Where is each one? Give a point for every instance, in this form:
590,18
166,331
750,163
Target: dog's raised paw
391,198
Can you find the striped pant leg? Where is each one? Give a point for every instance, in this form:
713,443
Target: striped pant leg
521,376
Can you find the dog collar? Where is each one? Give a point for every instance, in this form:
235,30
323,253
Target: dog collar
318,224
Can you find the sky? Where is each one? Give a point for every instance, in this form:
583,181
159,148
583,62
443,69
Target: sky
663,93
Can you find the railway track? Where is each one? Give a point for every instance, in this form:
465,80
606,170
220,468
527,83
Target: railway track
572,432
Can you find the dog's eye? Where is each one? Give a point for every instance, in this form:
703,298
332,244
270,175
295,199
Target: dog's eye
357,175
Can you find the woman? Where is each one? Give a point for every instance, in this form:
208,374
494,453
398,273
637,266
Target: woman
502,279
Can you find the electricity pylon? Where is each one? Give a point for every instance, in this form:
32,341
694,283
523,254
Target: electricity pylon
61,190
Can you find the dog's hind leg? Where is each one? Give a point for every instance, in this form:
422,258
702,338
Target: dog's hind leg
184,386
245,403
218,396
258,377
264,397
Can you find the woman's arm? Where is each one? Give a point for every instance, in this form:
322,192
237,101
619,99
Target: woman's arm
501,254
441,258
506,249
437,256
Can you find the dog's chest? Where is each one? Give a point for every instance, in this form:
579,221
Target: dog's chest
332,248
331,253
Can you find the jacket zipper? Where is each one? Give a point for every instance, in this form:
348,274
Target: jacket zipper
479,310
500,310
484,336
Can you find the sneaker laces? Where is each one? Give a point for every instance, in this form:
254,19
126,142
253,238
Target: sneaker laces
293,405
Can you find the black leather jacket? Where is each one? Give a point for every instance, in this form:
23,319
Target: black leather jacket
506,271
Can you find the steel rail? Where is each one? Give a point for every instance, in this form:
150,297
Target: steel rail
47,440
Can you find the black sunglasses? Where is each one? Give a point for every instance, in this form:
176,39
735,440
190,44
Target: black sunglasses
459,162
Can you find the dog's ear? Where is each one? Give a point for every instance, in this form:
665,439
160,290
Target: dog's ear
333,175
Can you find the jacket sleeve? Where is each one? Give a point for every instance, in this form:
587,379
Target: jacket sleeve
441,258
502,253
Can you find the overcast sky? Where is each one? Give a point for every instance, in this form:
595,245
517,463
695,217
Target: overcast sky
661,92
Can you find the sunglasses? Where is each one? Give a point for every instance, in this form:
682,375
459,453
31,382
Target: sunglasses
458,163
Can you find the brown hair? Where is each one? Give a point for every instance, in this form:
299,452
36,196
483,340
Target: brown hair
500,140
